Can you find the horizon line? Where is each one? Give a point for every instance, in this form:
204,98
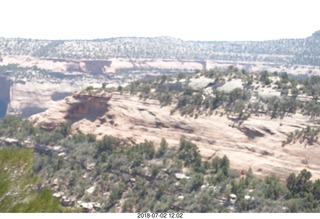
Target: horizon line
150,37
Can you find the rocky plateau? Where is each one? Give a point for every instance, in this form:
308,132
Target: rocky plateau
256,143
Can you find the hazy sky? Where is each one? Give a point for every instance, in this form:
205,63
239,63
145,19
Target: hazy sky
188,19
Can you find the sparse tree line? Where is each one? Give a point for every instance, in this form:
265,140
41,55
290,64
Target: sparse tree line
296,94
306,135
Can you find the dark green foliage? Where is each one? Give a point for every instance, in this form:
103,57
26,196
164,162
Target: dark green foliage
188,152
316,189
264,78
89,89
299,185
64,129
120,88
146,149
91,138
79,137
294,205
197,182
281,106
108,144
116,193
221,164
292,183
163,148
294,92
51,138
239,187
274,189
221,167
149,149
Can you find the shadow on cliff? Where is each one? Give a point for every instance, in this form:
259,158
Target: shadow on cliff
88,107
3,108
84,111
5,87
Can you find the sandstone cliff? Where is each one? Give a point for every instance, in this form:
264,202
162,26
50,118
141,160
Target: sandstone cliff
256,143
33,97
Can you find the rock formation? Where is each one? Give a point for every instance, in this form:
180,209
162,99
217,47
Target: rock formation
256,143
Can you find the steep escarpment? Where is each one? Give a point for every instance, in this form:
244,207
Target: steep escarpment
5,88
31,97
96,67
58,65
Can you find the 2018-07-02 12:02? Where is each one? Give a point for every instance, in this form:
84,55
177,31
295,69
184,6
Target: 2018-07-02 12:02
159,215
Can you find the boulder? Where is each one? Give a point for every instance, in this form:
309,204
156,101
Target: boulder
62,154
203,187
55,182
58,194
90,190
233,198
68,202
97,206
11,141
90,166
181,176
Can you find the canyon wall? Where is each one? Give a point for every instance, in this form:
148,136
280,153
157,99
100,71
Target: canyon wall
33,97
5,87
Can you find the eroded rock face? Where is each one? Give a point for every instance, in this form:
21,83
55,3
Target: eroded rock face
3,108
256,143
74,108
5,88
88,106
32,97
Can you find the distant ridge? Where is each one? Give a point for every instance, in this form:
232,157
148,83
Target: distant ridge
316,34
304,51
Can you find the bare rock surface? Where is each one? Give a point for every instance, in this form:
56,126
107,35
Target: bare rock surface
256,143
